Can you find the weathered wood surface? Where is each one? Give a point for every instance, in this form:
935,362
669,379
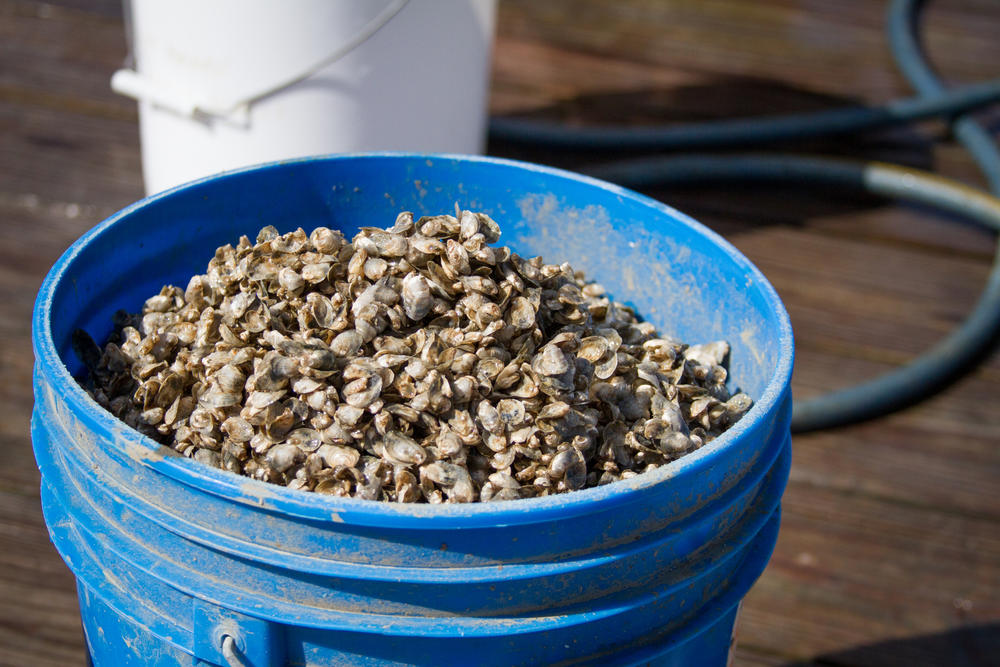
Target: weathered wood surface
890,545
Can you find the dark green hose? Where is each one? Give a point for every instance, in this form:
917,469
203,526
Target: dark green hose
740,132
964,346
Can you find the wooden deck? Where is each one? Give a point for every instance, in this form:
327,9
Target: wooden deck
890,543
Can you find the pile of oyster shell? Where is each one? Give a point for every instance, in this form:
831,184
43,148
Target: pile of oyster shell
412,364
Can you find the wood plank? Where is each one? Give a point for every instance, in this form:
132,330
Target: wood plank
837,47
40,625
63,58
69,157
883,581
751,656
905,466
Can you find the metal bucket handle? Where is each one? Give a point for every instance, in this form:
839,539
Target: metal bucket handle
226,637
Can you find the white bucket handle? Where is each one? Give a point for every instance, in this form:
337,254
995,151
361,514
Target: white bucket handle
132,84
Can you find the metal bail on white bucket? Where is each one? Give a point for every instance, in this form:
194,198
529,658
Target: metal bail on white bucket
228,83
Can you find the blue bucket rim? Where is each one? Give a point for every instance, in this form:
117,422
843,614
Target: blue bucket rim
381,513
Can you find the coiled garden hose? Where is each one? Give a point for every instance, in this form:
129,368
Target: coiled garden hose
966,344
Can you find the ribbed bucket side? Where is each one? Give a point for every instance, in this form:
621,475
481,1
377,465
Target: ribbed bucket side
633,571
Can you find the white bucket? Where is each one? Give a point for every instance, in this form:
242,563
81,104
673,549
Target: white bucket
228,83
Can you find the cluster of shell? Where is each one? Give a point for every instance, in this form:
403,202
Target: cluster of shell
412,364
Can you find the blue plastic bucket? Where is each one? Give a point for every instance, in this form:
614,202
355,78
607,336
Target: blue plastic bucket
172,556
